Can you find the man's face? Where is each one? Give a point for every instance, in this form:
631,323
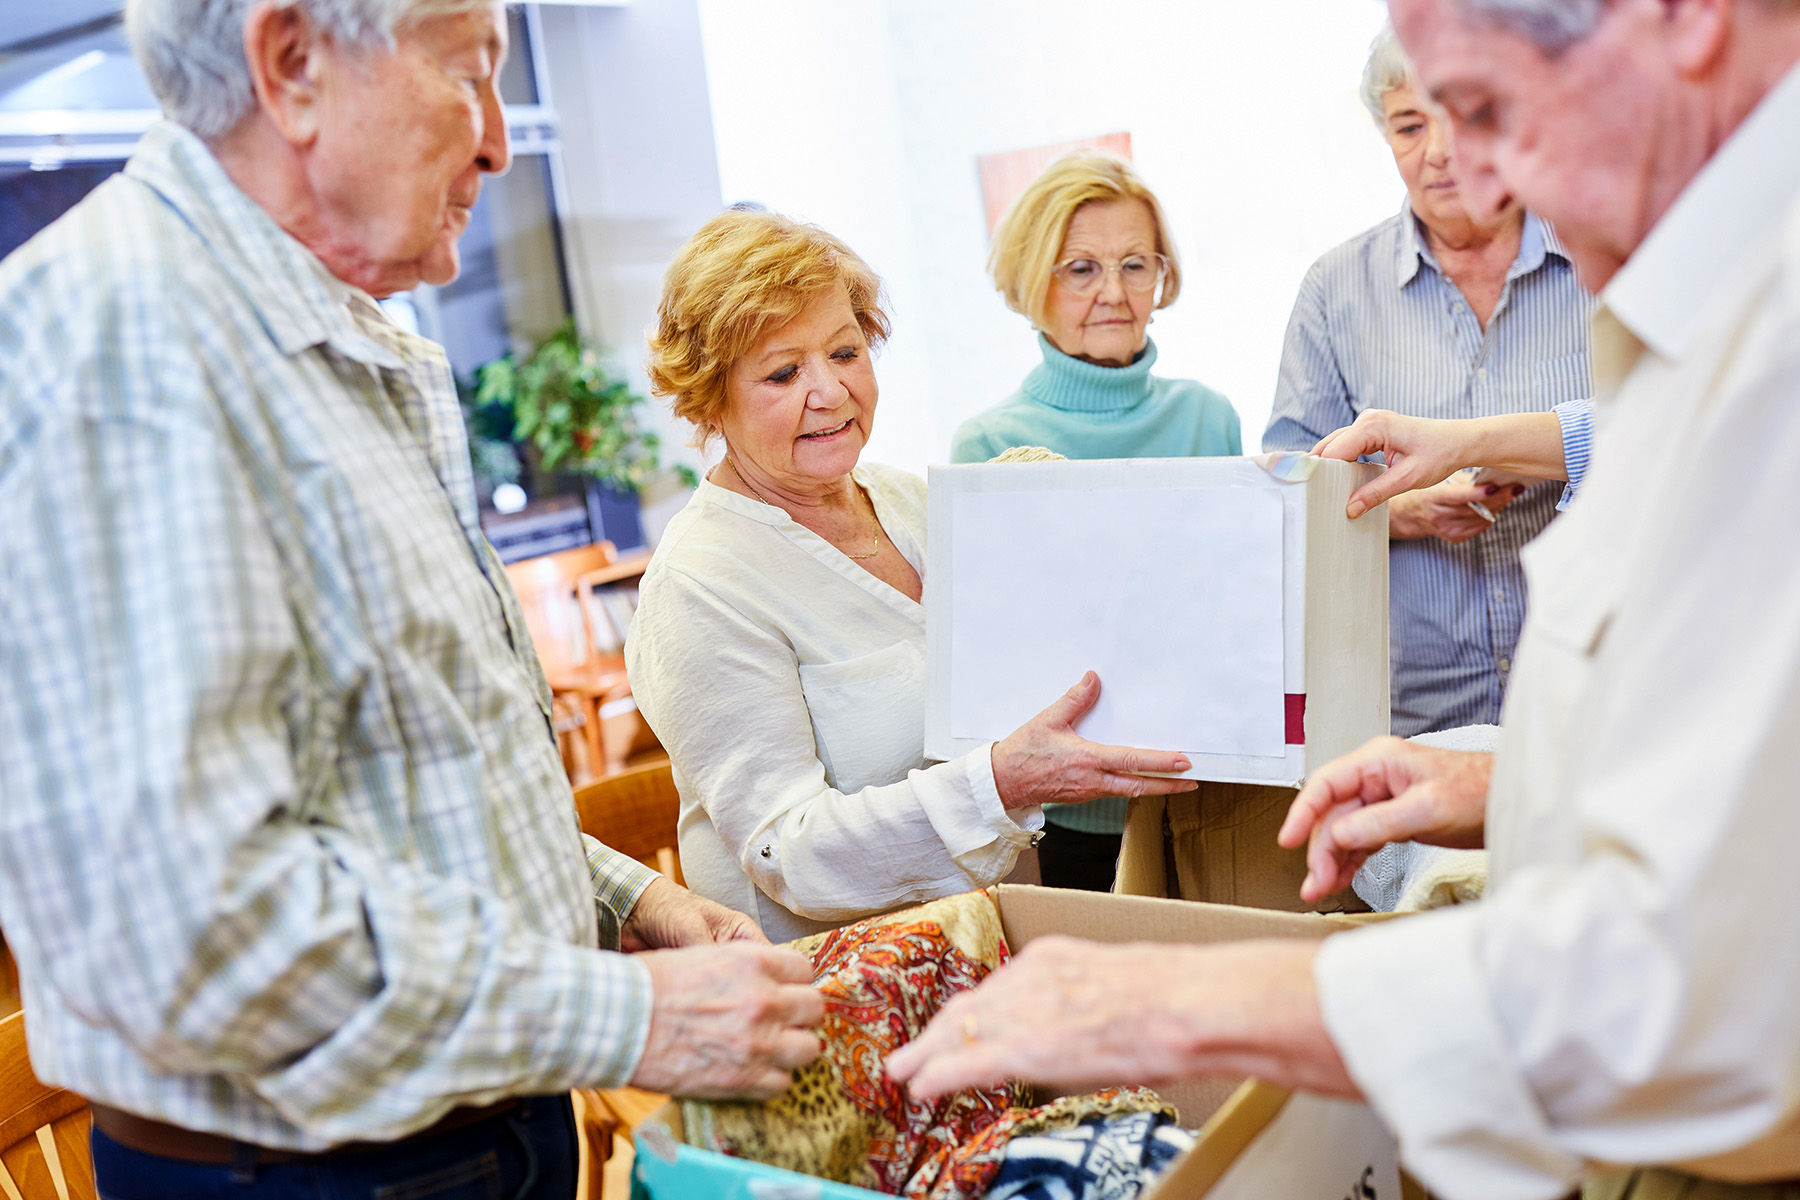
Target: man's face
1574,138
402,147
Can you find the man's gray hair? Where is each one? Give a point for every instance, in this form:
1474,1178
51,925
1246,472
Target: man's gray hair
192,51
1555,25
1388,68
1550,25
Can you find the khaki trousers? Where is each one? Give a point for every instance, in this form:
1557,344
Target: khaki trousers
1650,1183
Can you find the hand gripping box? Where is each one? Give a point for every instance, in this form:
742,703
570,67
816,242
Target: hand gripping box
1256,1140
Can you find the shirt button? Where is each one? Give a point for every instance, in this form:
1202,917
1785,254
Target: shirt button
1500,594
1505,665
1481,374
1036,838
767,853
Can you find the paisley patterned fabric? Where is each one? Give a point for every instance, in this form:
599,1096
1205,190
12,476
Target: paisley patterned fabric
883,979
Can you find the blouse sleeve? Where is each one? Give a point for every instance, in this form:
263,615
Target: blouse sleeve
723,694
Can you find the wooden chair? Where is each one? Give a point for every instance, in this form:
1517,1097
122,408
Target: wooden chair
557,619
636,812
43,1129
9,981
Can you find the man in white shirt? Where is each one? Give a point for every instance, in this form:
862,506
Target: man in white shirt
1627,992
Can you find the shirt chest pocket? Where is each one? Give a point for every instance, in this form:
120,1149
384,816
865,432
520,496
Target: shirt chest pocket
1573,598
868,715
1562,379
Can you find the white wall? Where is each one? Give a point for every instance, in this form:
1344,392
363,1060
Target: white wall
630,89
867,117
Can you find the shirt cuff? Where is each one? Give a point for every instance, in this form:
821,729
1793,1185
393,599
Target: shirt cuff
1577,420
1406,1005
618,882
613,1022
1017,826
967,815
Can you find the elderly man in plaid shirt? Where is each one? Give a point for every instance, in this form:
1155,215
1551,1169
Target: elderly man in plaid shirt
287,857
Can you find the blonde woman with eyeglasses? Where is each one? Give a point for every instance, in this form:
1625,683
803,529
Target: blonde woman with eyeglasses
1086,256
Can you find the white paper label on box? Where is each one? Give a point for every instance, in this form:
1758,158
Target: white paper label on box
1206,592
1316,1149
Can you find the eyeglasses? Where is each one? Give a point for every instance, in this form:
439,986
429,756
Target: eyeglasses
1139,273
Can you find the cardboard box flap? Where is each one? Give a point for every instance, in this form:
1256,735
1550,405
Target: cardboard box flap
1028,912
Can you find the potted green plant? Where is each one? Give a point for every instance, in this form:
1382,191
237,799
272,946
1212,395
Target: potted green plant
577,417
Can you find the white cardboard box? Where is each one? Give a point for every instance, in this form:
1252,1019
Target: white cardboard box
1231,615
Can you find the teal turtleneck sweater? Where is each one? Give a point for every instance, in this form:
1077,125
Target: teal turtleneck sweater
1081,410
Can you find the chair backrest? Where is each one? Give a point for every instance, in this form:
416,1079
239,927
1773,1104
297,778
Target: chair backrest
38,1162
554,613
637,813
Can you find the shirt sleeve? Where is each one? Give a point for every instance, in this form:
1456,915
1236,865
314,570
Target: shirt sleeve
1234,430
1311,397
618,882
971,443
169,854
1577,420
1632,1000
724,695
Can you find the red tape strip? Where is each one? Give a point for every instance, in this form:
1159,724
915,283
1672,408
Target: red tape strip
1296,718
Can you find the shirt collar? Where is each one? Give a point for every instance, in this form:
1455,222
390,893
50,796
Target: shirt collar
1727,213
1536,243
299,302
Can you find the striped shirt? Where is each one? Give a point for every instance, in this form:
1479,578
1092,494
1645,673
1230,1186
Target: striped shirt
286,852
1377,325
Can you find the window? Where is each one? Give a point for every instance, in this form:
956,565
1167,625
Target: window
73,104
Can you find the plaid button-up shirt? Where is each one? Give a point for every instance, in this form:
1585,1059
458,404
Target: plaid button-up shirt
286,850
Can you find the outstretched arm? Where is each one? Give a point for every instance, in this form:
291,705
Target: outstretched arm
1423,451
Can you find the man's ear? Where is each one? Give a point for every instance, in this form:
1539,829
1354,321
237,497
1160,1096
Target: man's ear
289,60
1697,34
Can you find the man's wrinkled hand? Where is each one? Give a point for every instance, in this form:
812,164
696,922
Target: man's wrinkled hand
1078,1015
668,917
729,1021
1388,791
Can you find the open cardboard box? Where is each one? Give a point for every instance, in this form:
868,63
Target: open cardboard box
1256,1140
1216,845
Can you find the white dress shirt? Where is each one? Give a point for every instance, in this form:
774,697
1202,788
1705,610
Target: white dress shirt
788,685
1629,992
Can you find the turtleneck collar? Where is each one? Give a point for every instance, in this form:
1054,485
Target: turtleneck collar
1076,386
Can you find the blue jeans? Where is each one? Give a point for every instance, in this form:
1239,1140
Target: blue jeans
526,1152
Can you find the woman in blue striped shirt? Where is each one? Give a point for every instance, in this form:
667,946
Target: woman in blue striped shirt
1440,312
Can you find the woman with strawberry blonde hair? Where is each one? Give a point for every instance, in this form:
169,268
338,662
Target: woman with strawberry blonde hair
778,649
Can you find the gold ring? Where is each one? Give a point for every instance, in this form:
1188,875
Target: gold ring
970,1032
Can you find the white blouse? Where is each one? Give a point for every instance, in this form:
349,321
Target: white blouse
788,685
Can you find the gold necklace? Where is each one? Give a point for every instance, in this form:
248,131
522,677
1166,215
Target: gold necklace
873,520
